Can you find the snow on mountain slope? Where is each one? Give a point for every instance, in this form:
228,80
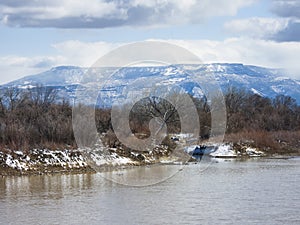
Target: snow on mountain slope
57,76
259,80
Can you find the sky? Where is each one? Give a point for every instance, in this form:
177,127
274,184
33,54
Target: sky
37,35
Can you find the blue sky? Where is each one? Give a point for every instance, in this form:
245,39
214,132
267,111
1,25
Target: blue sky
38,35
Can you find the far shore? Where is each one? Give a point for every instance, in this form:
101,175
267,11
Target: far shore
46,162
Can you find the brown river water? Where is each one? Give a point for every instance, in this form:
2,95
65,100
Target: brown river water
257,191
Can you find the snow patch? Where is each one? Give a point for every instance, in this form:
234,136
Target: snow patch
65,159
224,150
257,92
281,78
254,152
198,93
277,89
101,158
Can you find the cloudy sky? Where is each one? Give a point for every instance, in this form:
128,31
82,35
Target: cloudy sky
39,34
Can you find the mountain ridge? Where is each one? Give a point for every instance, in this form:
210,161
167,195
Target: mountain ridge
263,81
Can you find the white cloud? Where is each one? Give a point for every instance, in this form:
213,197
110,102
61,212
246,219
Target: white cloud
248,51
286,8
241,50
68,53
107,13
257,27
277,29
83,53
63,8
14,67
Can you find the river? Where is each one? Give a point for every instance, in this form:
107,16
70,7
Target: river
257,191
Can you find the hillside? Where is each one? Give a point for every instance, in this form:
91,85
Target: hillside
262,81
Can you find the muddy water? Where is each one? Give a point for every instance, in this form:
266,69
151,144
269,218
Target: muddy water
265,191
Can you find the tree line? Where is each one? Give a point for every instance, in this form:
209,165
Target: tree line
35,118
248,111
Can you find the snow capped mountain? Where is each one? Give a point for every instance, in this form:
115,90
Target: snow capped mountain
259,80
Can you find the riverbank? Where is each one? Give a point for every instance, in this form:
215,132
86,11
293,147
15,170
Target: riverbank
38,162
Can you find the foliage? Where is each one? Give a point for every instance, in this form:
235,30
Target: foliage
36,119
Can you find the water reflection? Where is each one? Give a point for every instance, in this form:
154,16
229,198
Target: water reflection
143,176
44,186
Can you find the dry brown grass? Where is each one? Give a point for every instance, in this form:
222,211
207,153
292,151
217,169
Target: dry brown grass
259,139
281,142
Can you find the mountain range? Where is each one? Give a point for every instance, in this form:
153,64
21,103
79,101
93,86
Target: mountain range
259,80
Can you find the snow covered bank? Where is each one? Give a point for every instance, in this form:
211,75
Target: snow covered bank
224,151
65,161
41,161
232,151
